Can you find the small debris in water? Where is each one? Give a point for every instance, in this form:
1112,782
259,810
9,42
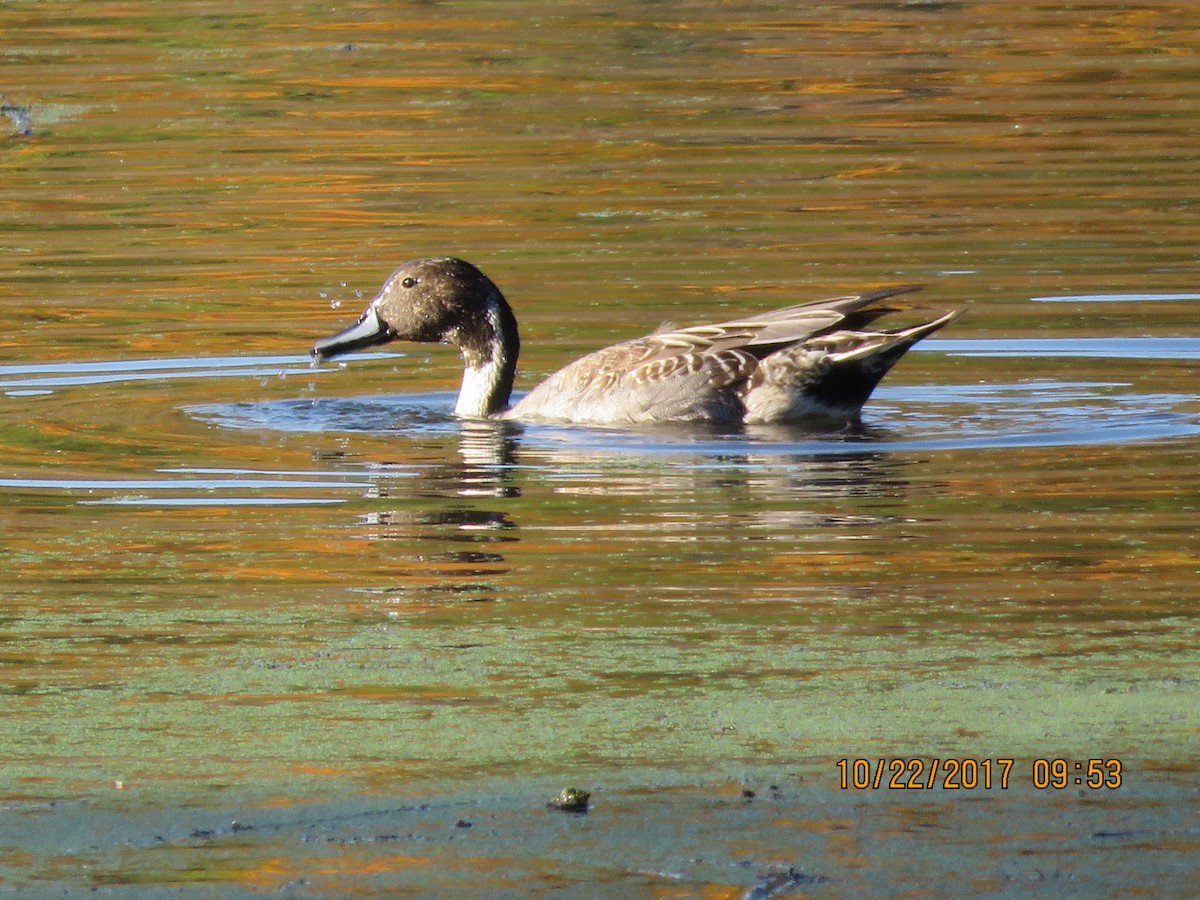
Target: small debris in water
19,116
773,883
571,800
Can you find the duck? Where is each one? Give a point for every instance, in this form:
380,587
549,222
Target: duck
816,360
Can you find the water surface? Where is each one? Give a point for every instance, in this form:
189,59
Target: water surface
275,628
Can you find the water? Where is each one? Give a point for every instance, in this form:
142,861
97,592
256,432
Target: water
275,628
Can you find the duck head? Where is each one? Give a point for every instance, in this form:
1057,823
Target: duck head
443,300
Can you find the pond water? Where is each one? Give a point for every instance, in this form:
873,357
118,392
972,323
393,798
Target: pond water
273,628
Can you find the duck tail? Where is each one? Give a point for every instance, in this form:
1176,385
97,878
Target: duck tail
831,375
862,360
904,338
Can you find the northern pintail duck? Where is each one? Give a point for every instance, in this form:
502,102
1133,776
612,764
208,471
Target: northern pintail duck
816,359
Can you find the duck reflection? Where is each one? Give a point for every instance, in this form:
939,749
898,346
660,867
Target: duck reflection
766,492
446,503
469,542
488,451
461,520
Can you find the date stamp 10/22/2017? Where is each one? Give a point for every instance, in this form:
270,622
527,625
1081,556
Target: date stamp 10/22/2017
970,774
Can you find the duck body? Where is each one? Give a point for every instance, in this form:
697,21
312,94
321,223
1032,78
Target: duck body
815,360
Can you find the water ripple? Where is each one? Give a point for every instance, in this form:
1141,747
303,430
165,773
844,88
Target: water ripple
1099,348
35,378
1115,298
1029,413
1039,413
190,491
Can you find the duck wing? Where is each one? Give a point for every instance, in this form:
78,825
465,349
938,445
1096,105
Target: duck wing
767,332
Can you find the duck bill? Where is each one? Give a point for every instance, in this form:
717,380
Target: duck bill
368,331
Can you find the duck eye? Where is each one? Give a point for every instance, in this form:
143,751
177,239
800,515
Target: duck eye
409,282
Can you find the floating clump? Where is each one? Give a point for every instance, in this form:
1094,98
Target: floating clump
571,800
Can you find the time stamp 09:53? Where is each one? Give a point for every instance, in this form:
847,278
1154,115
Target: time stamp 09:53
967,774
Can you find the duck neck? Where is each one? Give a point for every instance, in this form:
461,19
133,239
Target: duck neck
489,346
